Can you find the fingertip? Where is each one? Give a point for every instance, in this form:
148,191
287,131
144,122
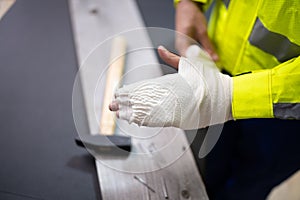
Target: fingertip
215,57
162,51
168,57
113,106
161,47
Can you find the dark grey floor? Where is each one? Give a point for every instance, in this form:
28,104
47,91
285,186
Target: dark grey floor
38,157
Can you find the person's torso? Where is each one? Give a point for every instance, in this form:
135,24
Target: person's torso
256,34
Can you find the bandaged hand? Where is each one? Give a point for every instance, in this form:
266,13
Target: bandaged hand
196,97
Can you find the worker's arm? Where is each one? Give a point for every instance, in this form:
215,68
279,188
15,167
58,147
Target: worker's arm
272,93
200,96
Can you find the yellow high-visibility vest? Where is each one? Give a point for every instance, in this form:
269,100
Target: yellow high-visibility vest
260,38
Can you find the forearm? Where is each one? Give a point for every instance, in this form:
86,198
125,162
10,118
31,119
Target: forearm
273,93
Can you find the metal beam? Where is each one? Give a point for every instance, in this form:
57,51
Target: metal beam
162,162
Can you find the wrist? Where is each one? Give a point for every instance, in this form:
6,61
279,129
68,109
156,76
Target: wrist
228,87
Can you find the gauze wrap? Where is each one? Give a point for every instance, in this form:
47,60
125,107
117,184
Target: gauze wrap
195,97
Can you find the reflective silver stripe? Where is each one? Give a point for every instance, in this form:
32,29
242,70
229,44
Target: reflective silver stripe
286,110
226,2
273,43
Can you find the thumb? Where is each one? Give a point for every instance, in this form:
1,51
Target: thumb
168,57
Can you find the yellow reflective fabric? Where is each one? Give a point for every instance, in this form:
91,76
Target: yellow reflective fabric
255,94
282,16
230,33
252,95
261,60
286,82
230,28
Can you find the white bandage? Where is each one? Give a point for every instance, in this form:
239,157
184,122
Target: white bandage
198,96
